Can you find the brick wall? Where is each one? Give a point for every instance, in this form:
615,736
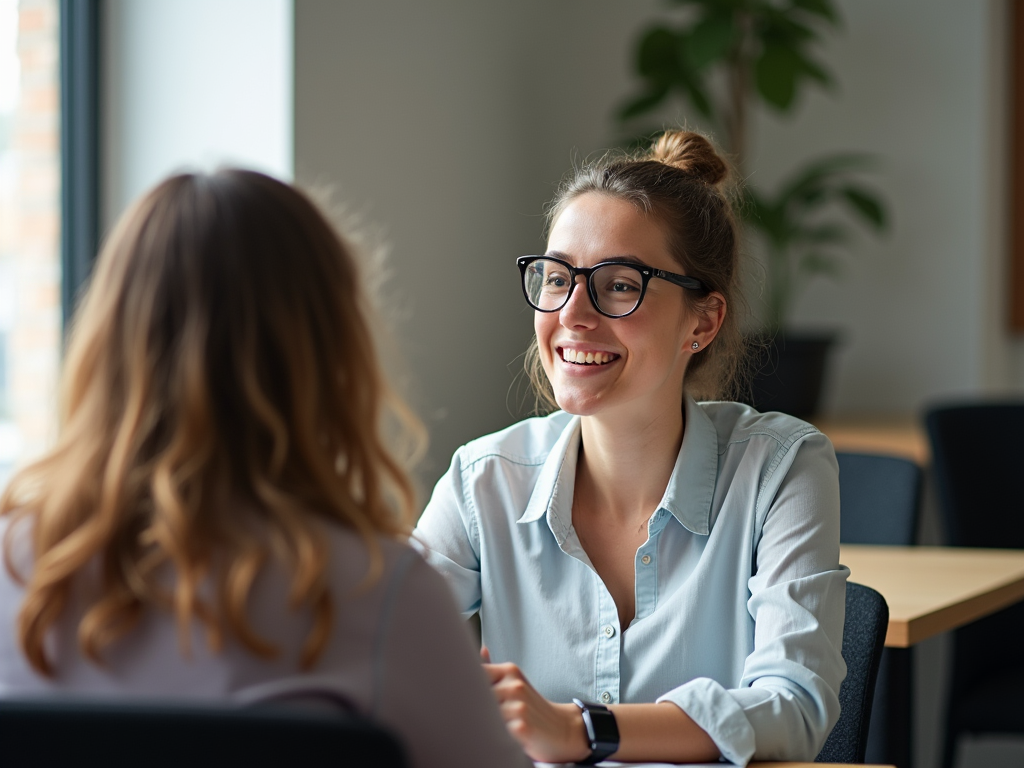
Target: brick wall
35,337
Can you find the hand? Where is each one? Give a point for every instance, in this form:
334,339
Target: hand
547,732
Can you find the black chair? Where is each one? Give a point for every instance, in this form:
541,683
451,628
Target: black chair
867,619
879,498
49,732
978,459
880,503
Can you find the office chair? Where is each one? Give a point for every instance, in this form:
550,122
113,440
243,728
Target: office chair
880,503
49,732
978,459
867,619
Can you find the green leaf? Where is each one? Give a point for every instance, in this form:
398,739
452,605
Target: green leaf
693,89
775,75
812,69
643,103
711,40
657,56
822,8
868,205
781,28
768,218
820,174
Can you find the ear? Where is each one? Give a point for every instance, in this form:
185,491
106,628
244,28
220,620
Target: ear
706,321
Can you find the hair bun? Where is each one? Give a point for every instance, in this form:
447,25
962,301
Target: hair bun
692,153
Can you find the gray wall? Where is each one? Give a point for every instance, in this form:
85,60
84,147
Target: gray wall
922,86
448,124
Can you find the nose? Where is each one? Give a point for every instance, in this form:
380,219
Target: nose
579,311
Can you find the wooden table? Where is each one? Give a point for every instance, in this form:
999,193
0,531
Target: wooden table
931,590
888,435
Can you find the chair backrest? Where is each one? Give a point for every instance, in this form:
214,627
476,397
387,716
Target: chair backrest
867,619
978,459
879,499
47,732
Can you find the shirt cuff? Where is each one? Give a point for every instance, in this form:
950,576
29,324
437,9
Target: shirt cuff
711,707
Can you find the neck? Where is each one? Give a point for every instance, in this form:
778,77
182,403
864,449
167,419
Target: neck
623,471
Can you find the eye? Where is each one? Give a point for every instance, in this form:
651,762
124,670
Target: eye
618,280
556,280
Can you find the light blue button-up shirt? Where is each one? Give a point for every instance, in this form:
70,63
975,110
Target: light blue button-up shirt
740,597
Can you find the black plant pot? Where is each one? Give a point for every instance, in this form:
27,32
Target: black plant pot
789,372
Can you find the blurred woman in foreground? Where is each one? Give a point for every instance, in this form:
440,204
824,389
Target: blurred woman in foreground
220,518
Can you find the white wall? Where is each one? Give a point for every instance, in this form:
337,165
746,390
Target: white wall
193,83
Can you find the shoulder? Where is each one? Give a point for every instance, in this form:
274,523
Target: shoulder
736,424
768,447
528,442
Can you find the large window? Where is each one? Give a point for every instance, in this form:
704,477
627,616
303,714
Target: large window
30,272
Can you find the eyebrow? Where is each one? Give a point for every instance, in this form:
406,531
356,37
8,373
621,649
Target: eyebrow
628,258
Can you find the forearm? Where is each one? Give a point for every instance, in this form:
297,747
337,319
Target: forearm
647,732
661,732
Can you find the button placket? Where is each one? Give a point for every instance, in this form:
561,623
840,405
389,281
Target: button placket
607,666
646,571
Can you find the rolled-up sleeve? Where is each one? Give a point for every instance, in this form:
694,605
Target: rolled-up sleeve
787,702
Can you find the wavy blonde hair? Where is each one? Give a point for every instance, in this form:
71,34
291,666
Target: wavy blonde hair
221,402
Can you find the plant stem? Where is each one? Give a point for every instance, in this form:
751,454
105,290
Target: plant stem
737,69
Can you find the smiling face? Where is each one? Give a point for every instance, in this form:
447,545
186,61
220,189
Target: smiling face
635,364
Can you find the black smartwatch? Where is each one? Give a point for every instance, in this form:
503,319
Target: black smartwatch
602,731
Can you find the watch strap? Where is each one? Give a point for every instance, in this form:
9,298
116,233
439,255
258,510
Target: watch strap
602,731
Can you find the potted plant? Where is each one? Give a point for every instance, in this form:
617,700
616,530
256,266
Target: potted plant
721,56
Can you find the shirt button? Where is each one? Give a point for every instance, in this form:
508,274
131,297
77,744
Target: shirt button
646,559
606,697
609,631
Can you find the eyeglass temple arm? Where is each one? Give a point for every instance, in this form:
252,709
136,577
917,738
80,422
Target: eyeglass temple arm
683,281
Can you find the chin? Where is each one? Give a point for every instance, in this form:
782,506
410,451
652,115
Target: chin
578,406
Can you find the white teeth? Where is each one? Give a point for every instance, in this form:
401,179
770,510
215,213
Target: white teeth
585,358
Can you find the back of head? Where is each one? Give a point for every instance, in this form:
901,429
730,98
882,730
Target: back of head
684,185
221,398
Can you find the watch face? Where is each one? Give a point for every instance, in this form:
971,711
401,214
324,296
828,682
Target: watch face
602,731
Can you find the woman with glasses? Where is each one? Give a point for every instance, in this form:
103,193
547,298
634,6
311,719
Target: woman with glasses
655,569
221,519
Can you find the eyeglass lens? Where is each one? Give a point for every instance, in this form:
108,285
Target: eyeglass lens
617,288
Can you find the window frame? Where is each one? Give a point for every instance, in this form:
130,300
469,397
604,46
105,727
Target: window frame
79,146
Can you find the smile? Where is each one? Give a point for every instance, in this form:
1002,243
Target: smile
579,357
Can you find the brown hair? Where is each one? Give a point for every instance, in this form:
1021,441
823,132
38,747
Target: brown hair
221,403
683,184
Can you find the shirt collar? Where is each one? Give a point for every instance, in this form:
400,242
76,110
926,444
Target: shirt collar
691,488
552,494
688,497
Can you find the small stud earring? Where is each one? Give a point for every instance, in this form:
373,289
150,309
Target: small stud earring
695,345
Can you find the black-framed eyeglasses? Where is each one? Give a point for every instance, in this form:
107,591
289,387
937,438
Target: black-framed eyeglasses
616,288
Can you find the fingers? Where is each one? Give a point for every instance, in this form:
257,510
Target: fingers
485,654
499,672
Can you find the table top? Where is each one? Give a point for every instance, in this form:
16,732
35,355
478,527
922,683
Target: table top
931,590
888,435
